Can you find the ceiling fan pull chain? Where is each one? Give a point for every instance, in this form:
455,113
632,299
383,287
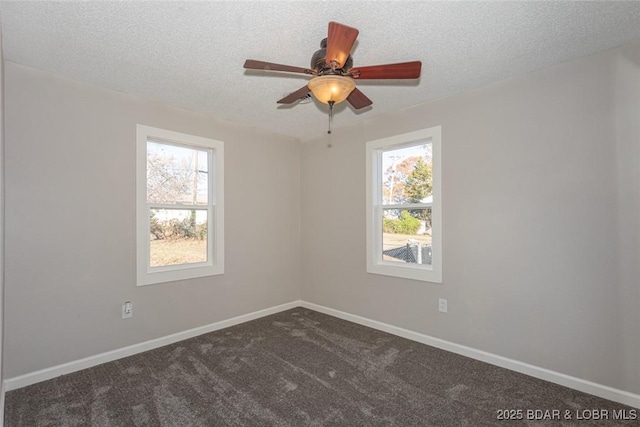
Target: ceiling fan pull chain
330,115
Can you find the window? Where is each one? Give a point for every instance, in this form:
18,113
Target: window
404,220
180,206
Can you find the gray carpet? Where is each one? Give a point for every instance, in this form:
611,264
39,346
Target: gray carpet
296,368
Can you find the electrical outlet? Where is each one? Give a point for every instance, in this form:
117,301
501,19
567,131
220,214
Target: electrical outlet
442,305
127,310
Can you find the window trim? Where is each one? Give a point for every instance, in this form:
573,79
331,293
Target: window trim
214,265
375,205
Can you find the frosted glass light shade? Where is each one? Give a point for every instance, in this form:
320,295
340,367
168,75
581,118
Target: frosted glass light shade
331,88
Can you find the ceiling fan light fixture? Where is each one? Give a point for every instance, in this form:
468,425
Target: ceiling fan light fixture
331,88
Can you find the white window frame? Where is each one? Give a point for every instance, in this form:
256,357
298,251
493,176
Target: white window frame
147,275
375,205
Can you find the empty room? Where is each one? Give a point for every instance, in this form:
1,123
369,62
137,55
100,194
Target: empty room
333,213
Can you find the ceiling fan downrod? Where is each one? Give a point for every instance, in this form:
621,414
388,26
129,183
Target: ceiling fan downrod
330,115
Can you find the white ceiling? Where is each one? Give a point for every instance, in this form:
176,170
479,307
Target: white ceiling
191,54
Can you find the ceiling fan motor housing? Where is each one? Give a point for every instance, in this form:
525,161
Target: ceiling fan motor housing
318,62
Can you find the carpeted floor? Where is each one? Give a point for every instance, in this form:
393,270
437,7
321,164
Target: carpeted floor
299,368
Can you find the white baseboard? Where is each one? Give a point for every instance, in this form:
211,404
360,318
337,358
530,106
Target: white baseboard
88,362
585,386
595,389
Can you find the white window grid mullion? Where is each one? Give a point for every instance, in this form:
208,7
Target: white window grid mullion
148,240
176,206
377,218
376,162
211,229
408,206
211,166
212,219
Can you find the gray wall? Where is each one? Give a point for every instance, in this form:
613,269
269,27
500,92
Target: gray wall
70,223
628,168
541,217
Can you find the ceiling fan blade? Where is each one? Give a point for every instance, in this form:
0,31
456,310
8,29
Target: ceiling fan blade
339,43
402,70
358,99
290,99
269,66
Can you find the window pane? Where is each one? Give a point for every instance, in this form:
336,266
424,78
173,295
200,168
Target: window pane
407,175
177,236
406,235
176,174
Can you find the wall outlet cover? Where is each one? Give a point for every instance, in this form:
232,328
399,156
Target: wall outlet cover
127,310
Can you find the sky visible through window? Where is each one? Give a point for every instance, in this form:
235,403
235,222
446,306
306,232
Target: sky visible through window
396,156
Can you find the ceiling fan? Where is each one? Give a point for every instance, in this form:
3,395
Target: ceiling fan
333,73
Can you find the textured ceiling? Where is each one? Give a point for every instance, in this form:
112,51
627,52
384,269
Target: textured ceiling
191,54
